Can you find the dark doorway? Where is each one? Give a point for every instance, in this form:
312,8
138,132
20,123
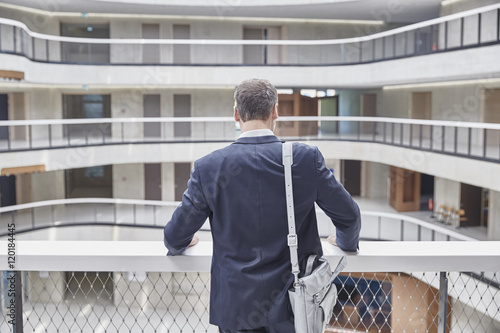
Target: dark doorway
91,182
181,52
151,52
351,176
7,191
87,106
152,107
152,181
471,203
426,190
4,115
182,108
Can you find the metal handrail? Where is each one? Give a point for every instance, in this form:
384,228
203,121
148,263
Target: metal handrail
392,32
388,120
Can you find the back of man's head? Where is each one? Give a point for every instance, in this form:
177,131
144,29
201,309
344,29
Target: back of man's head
255,99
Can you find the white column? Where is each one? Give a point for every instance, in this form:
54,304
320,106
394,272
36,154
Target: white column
447,193
494,215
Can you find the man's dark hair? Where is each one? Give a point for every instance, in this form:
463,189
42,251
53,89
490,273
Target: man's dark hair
255,99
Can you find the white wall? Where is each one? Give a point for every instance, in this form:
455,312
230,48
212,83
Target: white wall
375,180
494,215
447,193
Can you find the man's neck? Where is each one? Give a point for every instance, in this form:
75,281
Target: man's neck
252,125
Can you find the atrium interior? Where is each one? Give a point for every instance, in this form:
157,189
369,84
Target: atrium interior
106,104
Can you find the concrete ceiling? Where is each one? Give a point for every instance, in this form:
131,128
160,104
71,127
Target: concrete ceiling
396,11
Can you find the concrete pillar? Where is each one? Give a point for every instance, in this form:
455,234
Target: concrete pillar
45,104
494,215
375,180
128,181
127,104
167,182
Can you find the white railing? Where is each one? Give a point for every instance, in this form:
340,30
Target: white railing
476,27
172,41
154,214
466,139
148,256
131,286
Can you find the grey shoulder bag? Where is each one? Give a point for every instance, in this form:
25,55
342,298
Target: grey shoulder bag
314,295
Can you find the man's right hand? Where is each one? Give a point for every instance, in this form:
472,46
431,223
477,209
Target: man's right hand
194,241
332,239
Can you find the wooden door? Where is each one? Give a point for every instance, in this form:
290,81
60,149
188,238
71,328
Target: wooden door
404,190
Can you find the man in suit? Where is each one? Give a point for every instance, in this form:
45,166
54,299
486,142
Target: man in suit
241,189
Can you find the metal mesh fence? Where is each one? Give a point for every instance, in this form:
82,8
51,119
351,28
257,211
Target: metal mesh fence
179,302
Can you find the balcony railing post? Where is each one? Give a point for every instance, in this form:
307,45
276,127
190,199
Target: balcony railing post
14,33
374,42
30,134
420,135
446,35
469,141
8,138
47,50
379,227
383,47
431,131
462,32
411,135
385,129
402,229
498,24
479,29
443,303
406,43
50,135
456,139
360,52
18,299
443,133
392,133
401,134
485,139
394,46
33,48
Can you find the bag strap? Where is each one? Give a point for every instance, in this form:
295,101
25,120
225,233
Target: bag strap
293,243
292,234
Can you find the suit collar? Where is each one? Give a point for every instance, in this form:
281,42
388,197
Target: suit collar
257,139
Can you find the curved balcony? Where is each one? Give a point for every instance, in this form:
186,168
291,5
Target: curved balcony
149,214
442,148
473,35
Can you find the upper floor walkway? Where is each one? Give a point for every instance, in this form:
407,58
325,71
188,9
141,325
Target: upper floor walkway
417,53
452,150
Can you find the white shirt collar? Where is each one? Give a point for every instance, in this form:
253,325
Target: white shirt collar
258,132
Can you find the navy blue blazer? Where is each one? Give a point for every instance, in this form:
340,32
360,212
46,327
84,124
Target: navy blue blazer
241,189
